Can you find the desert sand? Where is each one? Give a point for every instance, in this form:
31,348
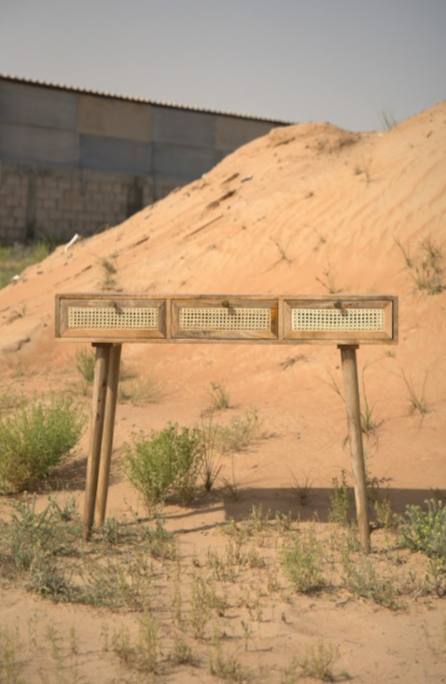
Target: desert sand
307,209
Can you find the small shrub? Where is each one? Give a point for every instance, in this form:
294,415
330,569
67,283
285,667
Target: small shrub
228,667
109,273
340,500
361,580
424,530
31,533
388,120
329,281
417,400
182,653
142,655
36,438
303,560
427,266
168,462
219,396
211,455
240,432
142,391
47,577
85,363
318,663
302,490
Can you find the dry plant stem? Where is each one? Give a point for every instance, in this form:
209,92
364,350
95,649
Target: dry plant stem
96,430
107,440
350,372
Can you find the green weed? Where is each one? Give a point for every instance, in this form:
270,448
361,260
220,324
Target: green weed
318,663
212,456
33,534
241,432
85,363
427,267
109,274
16,258
37,437
361,579
219,396
388,120
141,391
424,530
328,281
303,561
143,654
340,501
302,490
417,399
168,462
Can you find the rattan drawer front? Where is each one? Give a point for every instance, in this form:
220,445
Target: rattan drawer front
321,320
339,320
224,319
111,318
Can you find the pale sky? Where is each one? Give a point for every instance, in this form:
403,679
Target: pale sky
342,61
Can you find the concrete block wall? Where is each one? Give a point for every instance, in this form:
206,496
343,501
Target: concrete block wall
36,201
73,161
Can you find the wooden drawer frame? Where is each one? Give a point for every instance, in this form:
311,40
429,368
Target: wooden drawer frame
261,319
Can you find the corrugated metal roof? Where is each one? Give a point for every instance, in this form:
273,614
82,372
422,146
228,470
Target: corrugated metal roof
158,103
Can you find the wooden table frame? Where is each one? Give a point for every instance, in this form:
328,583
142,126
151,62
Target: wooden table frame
107,320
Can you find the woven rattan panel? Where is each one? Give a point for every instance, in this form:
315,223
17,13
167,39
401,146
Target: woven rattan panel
110,318
319,320
225,319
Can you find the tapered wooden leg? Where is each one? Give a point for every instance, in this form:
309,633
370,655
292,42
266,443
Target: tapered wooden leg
107,437
350,373
96,429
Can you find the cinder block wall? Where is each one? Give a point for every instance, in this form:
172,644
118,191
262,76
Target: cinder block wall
73,162
36,201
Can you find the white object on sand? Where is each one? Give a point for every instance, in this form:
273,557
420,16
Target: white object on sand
74,239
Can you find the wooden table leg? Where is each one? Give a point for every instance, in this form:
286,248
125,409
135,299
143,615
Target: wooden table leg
107,439
96,429
350,372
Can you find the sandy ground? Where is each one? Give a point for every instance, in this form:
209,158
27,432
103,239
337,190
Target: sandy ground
307,209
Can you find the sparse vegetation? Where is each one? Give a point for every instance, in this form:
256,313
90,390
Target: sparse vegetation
427,266
129,565
36,438
425,530
366,169
141,391
302,489
318,663
388,120
328,281
417,400
340,501
219,396
16,258
141,655
361,579
240,433
369,424
212,457
303,561
85,363
109,274
283,248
